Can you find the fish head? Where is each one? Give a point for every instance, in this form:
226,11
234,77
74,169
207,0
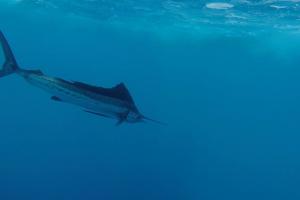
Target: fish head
134,117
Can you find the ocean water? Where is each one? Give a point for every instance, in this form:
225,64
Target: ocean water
224,76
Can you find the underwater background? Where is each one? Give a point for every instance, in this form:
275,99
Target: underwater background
224,76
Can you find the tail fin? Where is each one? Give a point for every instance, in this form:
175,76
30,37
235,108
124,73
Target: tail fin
10,65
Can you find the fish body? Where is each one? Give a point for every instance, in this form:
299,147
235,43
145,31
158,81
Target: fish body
115,102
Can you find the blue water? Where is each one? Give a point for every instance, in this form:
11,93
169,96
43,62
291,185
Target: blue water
224,76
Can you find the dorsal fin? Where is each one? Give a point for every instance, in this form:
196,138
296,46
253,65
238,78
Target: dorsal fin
88,87
38,72
119,91
123,92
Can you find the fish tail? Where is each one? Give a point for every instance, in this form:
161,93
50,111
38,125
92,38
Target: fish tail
10,65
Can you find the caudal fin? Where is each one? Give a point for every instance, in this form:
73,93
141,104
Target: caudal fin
10,65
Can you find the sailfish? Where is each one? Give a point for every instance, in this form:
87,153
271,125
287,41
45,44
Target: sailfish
116,102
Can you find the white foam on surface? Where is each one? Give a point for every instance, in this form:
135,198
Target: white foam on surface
219,5
278,7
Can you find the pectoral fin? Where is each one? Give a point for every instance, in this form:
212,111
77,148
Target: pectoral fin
55,98
122,118
95,113
120,121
